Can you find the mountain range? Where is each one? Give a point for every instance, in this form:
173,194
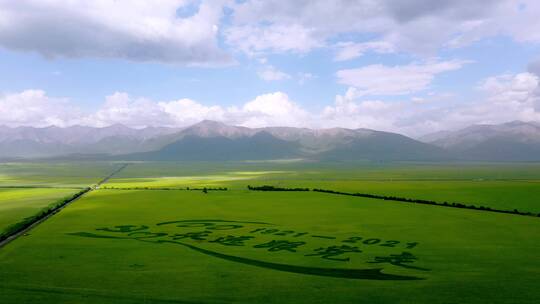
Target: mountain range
215,141
513,141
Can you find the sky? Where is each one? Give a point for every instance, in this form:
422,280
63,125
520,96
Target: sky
412,67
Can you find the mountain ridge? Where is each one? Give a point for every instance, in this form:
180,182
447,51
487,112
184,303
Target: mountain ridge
212,140
511,141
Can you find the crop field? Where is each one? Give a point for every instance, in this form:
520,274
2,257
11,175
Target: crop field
499,186
53,174
17,204
144,237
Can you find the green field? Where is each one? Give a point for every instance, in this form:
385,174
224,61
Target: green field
17,204
241,246
53,174
461,254
499,186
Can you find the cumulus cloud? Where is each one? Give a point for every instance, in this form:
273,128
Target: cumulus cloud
134,30
35,108
294,26
121,108
510,88
140,112
155,31
507,97
503,98
515,92
273,109
378,79
536,99
420,26
186,111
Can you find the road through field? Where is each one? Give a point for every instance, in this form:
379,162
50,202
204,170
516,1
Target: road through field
53,212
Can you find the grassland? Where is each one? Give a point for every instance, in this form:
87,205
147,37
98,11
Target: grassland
53,174
463,256
17,204
498,186
239,246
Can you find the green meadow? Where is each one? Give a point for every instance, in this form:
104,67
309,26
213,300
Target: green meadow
17,204
53,174
499,186
130,247
131,242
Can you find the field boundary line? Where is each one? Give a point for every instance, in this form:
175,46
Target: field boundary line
108,177
49,213
396,199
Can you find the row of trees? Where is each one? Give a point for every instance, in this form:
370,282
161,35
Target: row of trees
27,222
396,198
272,188
427,202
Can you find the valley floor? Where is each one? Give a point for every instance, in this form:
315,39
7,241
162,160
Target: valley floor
128,244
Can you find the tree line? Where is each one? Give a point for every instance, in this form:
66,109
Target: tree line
272,188
27,222
395,198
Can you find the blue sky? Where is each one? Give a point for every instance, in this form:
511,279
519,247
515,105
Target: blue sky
411,66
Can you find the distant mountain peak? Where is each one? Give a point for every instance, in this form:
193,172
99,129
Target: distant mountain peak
511,141
211,128
207,123
518,123
117,126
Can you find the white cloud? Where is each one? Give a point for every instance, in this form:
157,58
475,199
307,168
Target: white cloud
254,40
134,30
350,50
35,108
142,30
140,112
270,73
420,27
535,97
505,98
513,96
378,79
534,68
186,111
121,108
510,88
294,26
274,109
